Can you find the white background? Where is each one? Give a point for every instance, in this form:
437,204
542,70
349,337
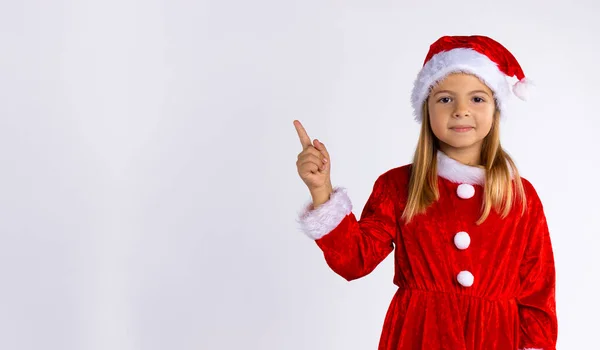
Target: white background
148,186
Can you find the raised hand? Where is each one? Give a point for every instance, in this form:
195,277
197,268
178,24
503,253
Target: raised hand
314,164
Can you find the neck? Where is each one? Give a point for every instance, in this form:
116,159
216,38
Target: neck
468,156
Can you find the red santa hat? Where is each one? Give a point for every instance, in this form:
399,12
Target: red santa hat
478,55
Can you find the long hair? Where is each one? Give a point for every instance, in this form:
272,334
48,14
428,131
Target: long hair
500,192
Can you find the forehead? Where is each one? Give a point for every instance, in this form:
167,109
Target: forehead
460,81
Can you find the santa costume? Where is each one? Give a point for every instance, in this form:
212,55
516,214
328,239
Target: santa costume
461,286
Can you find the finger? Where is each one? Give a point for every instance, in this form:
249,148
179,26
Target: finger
321,147
306,167
311,150
312,159
307,158
304,139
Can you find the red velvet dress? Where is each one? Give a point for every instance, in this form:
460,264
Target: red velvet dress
460,286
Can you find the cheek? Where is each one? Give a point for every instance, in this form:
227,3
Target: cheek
437,116
485,125
438,125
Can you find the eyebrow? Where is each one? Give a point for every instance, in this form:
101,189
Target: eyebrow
472,92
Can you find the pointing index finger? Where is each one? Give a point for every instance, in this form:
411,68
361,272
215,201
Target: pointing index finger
304,139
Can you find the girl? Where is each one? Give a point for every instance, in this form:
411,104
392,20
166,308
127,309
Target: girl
474,263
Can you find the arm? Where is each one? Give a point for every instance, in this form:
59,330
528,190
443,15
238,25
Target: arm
536,300
352,248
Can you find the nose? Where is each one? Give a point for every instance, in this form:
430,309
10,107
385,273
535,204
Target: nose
461,110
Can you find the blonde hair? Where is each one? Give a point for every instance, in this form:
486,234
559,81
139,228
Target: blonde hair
499,191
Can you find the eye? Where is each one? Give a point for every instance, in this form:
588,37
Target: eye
481,99
443,98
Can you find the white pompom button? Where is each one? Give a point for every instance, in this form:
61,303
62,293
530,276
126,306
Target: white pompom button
465,278
462,240
465,191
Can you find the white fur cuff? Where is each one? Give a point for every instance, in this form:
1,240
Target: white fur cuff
316,223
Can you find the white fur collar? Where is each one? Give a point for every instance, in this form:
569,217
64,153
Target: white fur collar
458,172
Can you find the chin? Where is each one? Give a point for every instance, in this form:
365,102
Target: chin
458,144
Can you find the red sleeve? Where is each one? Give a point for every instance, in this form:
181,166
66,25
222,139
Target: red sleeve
352,248
536,300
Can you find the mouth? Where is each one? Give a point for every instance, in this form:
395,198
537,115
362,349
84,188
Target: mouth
462,128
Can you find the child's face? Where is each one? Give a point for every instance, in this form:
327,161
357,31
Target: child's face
454,104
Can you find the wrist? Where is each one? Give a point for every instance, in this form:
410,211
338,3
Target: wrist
321,195
326,190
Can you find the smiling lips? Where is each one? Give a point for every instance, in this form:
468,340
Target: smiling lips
462,128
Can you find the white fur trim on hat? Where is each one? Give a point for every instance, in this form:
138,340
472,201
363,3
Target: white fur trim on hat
459,60
316,223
